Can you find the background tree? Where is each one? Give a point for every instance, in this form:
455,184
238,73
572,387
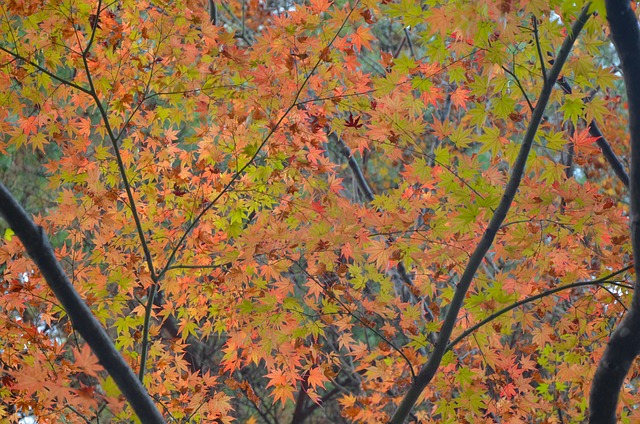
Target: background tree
281,211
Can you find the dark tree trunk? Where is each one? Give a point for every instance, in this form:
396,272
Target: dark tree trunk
624,345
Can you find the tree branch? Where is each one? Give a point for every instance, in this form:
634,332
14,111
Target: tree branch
600,281
607,151
45,71
429,370
624,344
536,35
38,247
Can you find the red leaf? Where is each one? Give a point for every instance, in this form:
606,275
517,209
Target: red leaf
351,123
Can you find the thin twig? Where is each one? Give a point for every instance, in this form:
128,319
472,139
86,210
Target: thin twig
519,84
543,67
493,316
409,42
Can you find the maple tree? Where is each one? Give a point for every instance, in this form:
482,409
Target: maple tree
310,211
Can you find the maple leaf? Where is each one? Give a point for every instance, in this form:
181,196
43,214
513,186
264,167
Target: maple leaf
276,377
87,361
325,55
170,135
459,97
379,253
315,155
282,388
361,37
88,396
29,379
316,378
283,393
317,206
351,123
335,184
509,391
584,143
28,125
319,6
84,127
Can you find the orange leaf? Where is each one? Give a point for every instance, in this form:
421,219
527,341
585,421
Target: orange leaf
87,361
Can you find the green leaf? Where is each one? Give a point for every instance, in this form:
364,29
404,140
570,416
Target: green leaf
573,107
598,6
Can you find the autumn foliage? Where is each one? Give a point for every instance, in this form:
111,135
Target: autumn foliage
269,206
